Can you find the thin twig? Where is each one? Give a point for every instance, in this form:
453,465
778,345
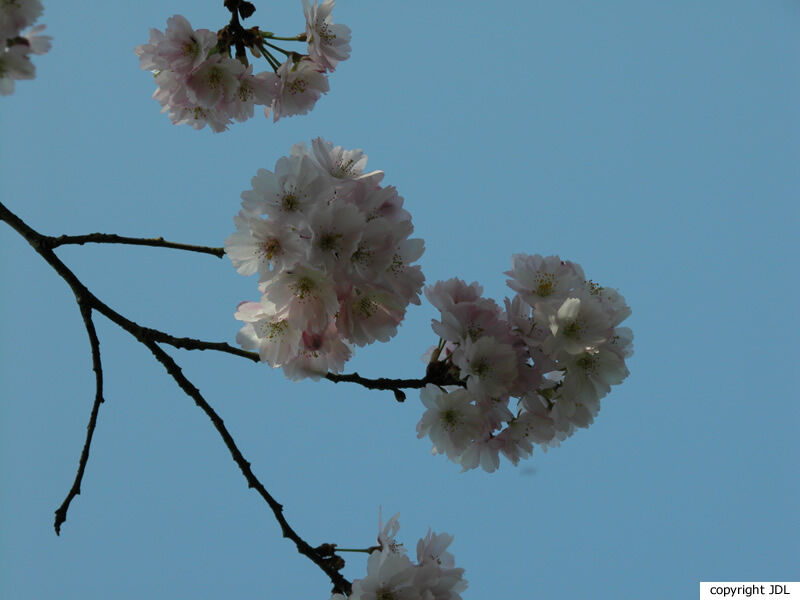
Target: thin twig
97,367
111,238
381,383
43,244
438,373
187,343
341,584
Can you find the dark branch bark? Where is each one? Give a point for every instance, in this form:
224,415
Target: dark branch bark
111,238
341,584
97,367
44,244
87,302
381,383
186,343
438,373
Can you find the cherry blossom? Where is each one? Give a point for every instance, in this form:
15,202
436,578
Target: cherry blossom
197,86
287,193
392,574
328,44
214,81
300,84
556,347
332,252
452,420
339,163
488,366
333,257
14,65
579,324
262,245
179,49
200,83
387,533
16,47
543,280
268,332
16,15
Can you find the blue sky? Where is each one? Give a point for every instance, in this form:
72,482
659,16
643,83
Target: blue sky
654,143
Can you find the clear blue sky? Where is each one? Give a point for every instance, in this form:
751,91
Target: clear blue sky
655,143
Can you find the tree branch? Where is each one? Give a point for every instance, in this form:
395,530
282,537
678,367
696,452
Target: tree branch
97,367
381,383
111,238
187,343
437,373
87,302
341,584
43,243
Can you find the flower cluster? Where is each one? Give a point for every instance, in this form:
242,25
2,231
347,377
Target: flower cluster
16,48
556,347
200,84
392,574
331,249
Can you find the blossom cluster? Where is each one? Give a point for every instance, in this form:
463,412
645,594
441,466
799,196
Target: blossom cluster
331,249
200,84
392,574
15,47
556,347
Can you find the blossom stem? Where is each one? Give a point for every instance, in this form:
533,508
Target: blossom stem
278,48
270,36
273,62
439,349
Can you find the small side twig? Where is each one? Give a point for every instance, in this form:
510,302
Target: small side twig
111,238
187,343
437,373
97,367
381,383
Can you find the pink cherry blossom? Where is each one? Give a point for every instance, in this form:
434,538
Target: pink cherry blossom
392,574
269,333
263,246
14,65
197,84
488,366
306,295
287,193
319,353
557,348
16,47
37,43
341,163
214,81
301,83
452,421
328,44
180,48
341,276
16,15
540,280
